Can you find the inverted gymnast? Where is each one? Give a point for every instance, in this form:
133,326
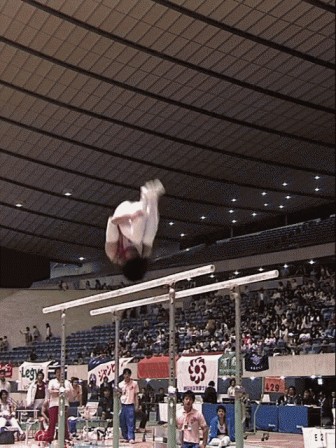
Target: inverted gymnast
131,231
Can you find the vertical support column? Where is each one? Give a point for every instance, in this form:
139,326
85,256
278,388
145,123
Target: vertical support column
172,372
61,404
239,435
116,401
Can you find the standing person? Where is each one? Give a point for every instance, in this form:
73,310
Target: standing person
48,332
210,394
131,231
129,391
232,388
190,421
4,384
219,429
105,384
28,336
37,392
36,333
54,393
76,398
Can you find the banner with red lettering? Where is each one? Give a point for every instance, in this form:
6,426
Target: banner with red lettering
274,384
99,367
8,368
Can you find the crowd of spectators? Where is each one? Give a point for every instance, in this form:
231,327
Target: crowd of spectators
291,318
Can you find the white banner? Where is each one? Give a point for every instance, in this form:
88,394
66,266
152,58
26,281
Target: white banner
318,437
28,373
98,369
195,372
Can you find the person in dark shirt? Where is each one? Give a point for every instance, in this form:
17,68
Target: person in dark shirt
210,394
106,404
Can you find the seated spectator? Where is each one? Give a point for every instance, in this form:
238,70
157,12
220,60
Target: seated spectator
106,404
308,399
219,429
7,415
292,397
160,396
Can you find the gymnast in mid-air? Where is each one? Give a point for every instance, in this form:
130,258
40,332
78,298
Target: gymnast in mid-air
131,231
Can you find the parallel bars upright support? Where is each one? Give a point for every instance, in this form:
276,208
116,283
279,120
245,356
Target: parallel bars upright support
168,280
172,296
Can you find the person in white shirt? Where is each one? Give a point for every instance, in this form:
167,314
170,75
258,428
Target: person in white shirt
54,394
131,231
37,392
129,391
7,415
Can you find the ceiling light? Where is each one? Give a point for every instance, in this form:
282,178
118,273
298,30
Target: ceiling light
254,214
260,269
203,217
317,177
266,204
264,193
19,204
231,211
233,200
67,192
171,223
317,189
281,206
285,265
187,249
311,261
182,235
236,272
212,275
81,258
288,197
284,184
234,221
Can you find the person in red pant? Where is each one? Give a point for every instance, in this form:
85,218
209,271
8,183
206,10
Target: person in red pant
54,393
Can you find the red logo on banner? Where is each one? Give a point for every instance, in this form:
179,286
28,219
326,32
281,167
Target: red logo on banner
197,370
8,370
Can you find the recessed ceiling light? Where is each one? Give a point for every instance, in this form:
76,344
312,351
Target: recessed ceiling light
67,192
281,206
187,249
266,204
284,184
260,269
203,217
311,262
285,265
233,200
234,221
254,214
212,275
264,193
18,204
317,189
81,258
317,177
236,272
171,223
231,211
288,197
182,235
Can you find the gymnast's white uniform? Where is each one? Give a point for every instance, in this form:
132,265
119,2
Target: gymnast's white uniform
134,224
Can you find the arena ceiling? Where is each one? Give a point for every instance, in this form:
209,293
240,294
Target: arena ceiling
231,103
